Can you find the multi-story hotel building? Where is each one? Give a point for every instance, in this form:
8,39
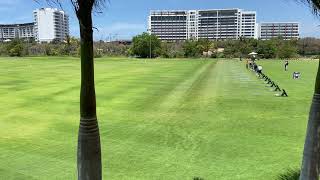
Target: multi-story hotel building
171,25
50,24
12,31
248,25
285,30
216,24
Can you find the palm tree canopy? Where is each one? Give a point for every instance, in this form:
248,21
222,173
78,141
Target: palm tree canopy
314,5
97,4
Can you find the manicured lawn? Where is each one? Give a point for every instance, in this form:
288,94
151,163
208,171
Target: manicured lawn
163,119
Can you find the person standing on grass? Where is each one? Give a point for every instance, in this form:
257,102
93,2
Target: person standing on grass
255,67
247,64
259,71
286,64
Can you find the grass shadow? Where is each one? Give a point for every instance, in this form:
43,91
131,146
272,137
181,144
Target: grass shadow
291,174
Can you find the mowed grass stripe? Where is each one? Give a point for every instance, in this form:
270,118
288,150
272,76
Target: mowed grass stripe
53,114
164,119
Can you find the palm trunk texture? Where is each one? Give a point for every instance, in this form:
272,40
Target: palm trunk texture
89,148
310,162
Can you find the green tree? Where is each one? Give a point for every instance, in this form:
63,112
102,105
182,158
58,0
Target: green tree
68,47
231,49
205,45
246,46
112,48
165,50
89,148
236,48
191,49
172,50
308,46
141,45
15,47
288,49
311,155
267,49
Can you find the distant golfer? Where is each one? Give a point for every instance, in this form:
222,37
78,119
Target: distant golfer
259,71
250,64
255,67
247,64
286,64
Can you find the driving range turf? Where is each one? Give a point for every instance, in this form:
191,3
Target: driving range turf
160,119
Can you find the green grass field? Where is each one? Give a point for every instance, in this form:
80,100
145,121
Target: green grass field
163,119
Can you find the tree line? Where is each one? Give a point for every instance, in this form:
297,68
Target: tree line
267,49
68,47
145,45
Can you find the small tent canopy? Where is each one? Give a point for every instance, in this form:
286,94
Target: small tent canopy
7,40
253,53
253,56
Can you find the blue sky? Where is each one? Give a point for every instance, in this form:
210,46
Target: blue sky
123,19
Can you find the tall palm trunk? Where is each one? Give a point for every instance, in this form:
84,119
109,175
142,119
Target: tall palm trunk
311,156
89,148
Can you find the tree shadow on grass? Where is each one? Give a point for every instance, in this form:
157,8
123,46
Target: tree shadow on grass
291,174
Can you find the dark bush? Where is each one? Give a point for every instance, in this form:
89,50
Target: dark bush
290,175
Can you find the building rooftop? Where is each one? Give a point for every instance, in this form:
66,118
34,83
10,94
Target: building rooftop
17,24
289,22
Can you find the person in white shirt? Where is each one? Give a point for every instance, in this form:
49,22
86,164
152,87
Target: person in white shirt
259,69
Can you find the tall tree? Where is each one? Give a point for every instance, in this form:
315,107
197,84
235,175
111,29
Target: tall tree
89,148
311,155
141,45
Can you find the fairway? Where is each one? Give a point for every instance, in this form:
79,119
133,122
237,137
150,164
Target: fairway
159,119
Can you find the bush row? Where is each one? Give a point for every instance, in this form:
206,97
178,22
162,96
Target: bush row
146,45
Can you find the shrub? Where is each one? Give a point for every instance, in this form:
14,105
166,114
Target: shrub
15,48
191,49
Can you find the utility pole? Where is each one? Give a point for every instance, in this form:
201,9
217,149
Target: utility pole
150,43
150,47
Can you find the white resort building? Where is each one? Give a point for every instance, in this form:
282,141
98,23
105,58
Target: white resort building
50,24
216,24
213,24
12,31
284,30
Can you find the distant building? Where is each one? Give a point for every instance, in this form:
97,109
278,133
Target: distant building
285,30
169,25
123,42
248,24
50,24
12,31
216,24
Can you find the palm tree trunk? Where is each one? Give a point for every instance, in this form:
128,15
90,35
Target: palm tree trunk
311,154
89,148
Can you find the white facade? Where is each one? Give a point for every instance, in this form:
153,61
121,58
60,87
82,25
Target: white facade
285,30
248,25
192,24
169,25
20,31
50,24
213,24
